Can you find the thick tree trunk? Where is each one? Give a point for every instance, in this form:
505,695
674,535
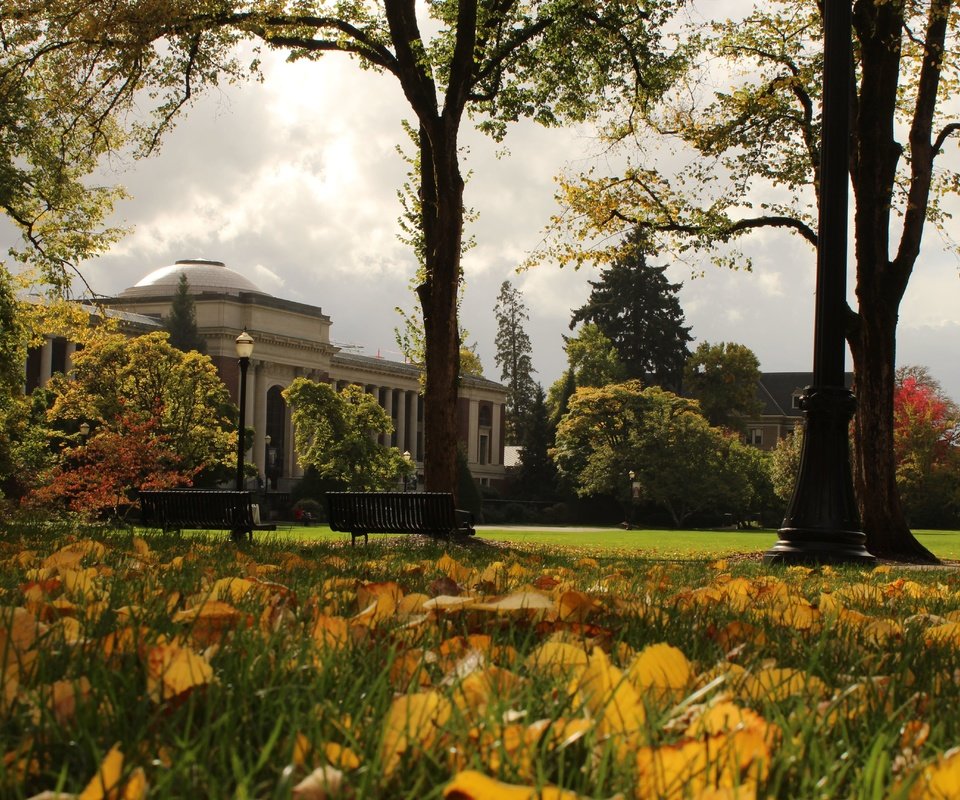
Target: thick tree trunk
442,202
881,514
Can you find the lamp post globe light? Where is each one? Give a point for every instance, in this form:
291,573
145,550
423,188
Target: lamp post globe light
244,345
822,523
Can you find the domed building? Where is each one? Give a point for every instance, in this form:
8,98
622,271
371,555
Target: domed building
292,340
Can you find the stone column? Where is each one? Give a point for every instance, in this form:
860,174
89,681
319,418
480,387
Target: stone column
495,434
412,401
473,427
402,420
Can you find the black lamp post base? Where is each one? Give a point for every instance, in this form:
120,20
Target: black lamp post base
798,546
822,525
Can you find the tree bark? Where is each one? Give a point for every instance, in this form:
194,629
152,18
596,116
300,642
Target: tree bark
881,513
442,210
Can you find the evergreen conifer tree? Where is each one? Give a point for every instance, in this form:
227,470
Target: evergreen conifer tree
513,358
637,309
181,322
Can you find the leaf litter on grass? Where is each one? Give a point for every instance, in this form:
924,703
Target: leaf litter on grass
467,673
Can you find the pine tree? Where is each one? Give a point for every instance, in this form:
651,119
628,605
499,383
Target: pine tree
181,322
513,357
637,309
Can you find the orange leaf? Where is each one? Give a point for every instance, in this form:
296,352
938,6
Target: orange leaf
575,606
556,658
472,785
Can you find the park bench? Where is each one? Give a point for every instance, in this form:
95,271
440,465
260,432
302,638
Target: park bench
429,513
201,509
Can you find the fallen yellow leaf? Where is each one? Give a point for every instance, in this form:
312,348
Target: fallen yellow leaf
107,779
412,723
661,670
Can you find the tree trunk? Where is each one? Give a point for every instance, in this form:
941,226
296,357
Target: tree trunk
881,514
442,210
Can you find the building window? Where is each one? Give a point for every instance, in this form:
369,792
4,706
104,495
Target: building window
755,437
483,456
796,399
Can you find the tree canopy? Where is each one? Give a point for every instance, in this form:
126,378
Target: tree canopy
677,459
181,322
723,377
753,160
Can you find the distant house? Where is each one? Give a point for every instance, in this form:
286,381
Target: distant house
779,394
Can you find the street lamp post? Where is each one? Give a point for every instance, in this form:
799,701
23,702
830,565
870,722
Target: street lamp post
822,523
244,344
406,476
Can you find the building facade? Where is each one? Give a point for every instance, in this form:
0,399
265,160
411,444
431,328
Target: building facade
292,340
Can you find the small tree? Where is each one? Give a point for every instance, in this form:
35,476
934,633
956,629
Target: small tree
100,477
723,377
115,377
927,447
336,434
513,357
181,322
785,464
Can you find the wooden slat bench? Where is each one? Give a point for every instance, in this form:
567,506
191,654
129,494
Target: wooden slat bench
200,509
429,513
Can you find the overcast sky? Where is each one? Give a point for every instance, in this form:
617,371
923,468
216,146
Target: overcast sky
293,183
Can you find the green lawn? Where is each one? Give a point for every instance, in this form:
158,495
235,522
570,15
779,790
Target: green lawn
655,543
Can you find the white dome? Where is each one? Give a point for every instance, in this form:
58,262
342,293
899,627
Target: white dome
202,276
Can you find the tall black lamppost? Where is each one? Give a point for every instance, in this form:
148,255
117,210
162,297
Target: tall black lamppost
822,522
244,351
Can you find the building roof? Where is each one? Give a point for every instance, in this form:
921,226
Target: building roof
776,390
202,276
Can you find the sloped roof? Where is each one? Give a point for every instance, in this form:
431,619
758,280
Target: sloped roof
776,390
